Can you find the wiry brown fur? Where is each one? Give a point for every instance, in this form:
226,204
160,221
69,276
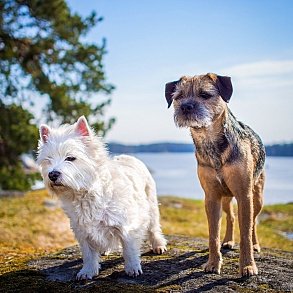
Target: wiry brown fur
230,158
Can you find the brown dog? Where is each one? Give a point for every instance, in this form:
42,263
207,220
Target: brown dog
230,158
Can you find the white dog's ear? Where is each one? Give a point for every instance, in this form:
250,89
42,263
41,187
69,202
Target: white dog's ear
82,126
44,132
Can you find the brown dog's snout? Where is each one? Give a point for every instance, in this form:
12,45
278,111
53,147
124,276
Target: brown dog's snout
187,107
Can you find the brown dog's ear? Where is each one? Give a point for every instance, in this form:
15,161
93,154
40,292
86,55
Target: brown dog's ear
225,88
169,91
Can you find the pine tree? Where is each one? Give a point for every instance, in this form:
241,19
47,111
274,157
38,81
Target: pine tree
17,136
43,52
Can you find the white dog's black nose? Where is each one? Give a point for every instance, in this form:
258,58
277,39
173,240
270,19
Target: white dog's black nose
187,107
54,175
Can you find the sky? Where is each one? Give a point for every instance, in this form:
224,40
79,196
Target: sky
150,43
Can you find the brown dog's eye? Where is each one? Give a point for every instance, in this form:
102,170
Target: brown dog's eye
70,159
205,95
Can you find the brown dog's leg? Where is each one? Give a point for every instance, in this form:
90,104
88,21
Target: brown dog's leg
213,204
239,180
213,211
245,216
228,241
257,206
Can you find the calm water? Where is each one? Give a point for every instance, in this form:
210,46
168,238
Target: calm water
175,174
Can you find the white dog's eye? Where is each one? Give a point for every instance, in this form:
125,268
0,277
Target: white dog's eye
70,159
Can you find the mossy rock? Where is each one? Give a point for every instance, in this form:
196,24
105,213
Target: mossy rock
179,270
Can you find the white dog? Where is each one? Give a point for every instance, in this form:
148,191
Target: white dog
110,202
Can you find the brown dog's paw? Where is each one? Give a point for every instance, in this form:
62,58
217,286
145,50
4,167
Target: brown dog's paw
256,247
248,271
228,245
213,267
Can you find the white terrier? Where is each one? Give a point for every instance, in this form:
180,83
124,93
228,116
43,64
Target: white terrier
110,201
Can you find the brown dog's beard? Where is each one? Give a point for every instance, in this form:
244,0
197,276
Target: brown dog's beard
201,117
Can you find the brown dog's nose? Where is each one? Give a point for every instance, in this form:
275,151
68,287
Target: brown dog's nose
187,107
54,175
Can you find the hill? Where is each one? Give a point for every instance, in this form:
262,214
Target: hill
151,148
285,150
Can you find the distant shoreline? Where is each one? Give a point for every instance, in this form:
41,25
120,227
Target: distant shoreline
275,150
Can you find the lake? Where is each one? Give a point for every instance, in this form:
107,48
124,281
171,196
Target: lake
175,174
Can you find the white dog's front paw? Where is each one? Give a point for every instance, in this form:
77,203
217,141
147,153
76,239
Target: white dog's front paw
87,273
160,249
133,269
107,252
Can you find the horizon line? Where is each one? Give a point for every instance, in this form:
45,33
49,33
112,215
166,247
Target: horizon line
182,143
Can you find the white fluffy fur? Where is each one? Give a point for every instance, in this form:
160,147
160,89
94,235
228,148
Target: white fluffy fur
110,201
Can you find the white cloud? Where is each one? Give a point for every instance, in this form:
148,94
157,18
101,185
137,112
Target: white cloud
263,76
263,97
262,69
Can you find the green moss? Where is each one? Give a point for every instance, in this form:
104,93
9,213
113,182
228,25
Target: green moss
263,286
283,208
278,217
171,288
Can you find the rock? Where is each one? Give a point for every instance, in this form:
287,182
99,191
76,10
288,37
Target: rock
179,270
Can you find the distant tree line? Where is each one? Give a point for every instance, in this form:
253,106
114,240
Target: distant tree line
283,150
151,148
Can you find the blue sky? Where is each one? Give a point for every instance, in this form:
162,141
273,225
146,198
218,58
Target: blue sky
152,42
